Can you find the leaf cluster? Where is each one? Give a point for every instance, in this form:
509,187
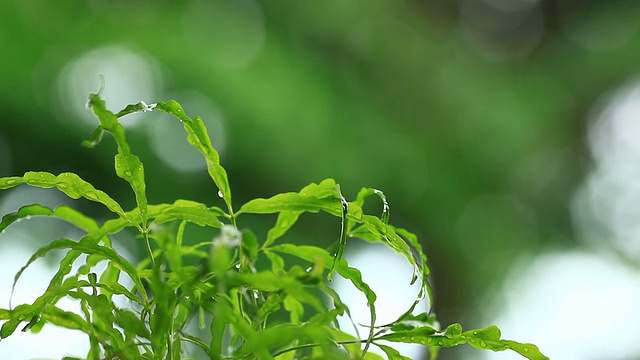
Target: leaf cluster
251,298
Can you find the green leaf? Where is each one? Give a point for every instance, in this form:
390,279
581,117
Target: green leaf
69,183
409,321
65,319
286,219
487,339
95,138
282,335
366,192
378,231
318,255
312,198
250,245
342,243
191,211
199,138
61,212
290,283
86,246
291,202
131,322
11,181
128,166
392,354
423,269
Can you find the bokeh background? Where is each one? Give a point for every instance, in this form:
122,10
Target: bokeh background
505,133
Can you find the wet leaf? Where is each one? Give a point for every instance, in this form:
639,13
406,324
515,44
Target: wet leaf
198,136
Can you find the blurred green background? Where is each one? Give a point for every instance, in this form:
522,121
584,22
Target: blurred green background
473,116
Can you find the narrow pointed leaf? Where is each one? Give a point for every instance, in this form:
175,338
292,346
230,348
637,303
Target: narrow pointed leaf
86,246
128,166
291,202
191,211
69,183
312,198
487,339
61,212
199,138
314,254
392,354
286,219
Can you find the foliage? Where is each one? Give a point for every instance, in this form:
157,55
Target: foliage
253,299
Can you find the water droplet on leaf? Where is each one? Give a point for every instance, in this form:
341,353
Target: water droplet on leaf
220,194
128,173
62,186
91,195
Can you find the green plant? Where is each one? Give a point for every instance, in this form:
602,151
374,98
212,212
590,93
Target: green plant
247,298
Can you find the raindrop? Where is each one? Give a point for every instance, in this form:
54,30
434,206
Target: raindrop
220,194
10,181
62,186
128,173
91,195
475,333
237,266
483,344
28,217
412,338
429,340
440,342
525,349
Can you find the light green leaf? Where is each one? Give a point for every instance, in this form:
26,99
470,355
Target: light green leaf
62,212
199,138
392,354
291,202
86,246
366,192
487,339
69,183
290,283
131,322
312,198
342,242
11,181
280,336
128,166
191,211
318,255
286,219
65,319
